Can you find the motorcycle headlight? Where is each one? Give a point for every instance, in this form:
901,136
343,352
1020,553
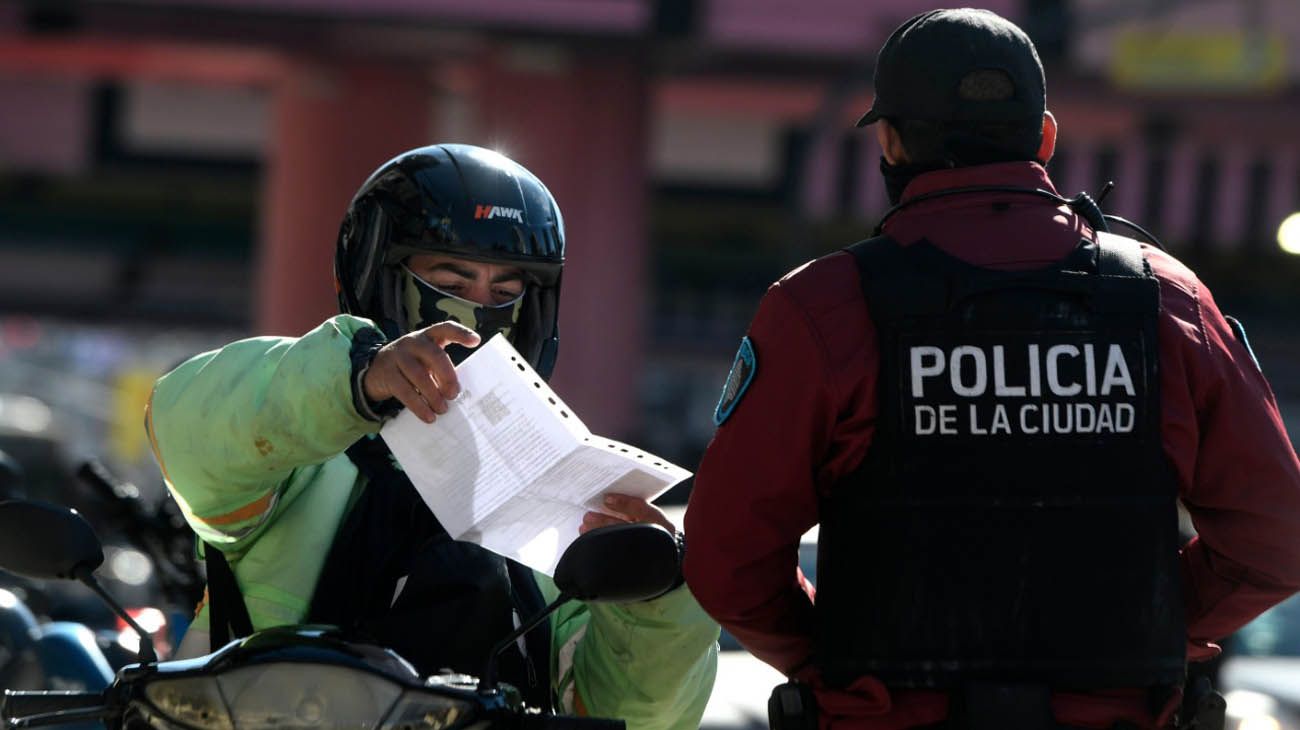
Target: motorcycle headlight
194,701
284,696
306,695
419,711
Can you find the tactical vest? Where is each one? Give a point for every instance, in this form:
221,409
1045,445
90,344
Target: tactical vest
1014,519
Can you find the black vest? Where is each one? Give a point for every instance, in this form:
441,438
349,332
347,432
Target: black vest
456,599
1014,519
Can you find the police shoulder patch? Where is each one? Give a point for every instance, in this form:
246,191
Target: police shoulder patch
738,380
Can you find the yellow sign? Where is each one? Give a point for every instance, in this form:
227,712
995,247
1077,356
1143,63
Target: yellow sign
1204,60
126,436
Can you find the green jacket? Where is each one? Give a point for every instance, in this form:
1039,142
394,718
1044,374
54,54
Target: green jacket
250,439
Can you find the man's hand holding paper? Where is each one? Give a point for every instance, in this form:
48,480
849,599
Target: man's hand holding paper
510,467
622,509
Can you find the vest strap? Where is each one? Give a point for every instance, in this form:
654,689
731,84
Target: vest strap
227,612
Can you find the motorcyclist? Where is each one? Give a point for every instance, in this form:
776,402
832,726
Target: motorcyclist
268,445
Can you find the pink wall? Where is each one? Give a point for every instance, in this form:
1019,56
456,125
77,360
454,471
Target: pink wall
44,123
567,15
1230,204
1180,192
820,27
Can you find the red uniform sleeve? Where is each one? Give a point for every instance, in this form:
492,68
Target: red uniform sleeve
754,491
1238,471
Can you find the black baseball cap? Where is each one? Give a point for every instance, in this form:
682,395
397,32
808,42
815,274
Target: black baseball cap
921,69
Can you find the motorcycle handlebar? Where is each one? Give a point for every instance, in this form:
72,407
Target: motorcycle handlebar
155,532
24,709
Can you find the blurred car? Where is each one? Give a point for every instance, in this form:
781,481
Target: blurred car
1260,677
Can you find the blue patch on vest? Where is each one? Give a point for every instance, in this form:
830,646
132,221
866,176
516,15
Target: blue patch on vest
738,380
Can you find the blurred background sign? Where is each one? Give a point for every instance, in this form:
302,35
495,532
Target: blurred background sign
1205,60
127,439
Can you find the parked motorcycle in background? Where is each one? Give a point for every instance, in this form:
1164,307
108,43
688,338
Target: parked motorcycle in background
55,636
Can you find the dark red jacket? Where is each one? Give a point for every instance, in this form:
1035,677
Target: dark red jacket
809,415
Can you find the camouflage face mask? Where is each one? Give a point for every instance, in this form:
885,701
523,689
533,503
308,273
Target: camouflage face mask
427,305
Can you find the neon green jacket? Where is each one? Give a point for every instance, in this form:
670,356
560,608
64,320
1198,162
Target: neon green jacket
250,439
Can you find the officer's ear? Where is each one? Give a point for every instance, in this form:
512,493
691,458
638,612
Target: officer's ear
1048,146
891,143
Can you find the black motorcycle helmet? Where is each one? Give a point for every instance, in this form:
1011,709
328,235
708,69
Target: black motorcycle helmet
462,201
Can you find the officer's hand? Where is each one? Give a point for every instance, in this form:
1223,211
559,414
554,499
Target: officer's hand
416,370
621,509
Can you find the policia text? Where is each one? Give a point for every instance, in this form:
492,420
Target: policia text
1077,389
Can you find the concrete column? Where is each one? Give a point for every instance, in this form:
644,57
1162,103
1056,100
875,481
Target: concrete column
1234,182
1180,193
333,123
580,124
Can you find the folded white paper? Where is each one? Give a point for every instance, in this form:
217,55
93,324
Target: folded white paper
511,467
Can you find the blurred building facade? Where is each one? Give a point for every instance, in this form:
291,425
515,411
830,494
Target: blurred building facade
187,161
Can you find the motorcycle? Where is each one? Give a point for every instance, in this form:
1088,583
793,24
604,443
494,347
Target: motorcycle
51,637
311,676
58,654
156,551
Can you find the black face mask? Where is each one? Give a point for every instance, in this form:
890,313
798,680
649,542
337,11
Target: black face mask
898,176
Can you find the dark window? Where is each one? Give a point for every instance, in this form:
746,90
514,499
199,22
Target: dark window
1257,193
676,18
1048,23
1207,188
850,174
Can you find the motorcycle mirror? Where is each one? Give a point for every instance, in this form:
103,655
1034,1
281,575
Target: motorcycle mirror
42,540
619,563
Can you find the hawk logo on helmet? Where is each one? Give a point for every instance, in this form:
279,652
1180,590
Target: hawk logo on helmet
488,212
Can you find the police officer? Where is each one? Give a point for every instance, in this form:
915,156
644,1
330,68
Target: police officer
992,409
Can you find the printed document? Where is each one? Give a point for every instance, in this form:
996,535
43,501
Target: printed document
511,467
